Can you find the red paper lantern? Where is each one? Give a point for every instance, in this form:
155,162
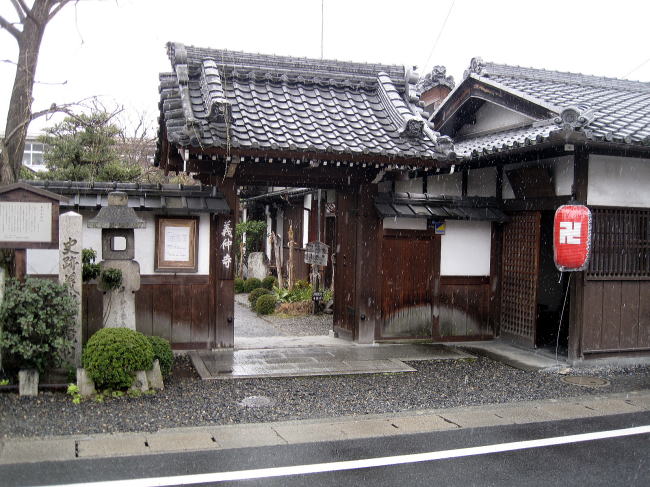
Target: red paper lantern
572,237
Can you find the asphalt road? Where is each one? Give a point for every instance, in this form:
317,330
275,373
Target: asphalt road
623,460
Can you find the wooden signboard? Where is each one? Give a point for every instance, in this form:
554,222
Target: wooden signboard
177,244
29,217
316,253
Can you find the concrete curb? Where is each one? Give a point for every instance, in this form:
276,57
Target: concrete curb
204,438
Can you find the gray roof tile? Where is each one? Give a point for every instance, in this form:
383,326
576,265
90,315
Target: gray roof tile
621,107
289,103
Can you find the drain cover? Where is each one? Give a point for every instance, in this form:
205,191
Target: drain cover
580,380
256,402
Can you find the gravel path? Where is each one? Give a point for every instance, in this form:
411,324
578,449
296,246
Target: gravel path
187,401
249,324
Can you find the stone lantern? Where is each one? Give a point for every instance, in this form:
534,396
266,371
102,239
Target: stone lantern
117,222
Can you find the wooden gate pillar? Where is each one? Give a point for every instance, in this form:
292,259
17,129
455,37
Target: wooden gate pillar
368,276
222,263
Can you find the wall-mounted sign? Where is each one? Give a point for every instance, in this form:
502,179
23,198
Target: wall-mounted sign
176,244
572,237
438,227
316,253
29,217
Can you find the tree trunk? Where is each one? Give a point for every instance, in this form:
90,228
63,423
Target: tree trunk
20,104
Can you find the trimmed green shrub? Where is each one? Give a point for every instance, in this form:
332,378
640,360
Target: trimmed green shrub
265,304
239,285
162,351
255,294
37,319
252,283
113,355
269,282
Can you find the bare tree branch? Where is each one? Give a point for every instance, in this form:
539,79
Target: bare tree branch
21,9
54,108
58,7
10,28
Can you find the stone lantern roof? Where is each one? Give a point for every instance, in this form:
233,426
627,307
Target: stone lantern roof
117,214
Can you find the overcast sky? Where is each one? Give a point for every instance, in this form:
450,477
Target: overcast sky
116,48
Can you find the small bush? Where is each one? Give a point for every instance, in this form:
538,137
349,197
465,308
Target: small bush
37,318
265,304
301,284
252,283
269,282
239,285
255,294
113,355
89,270
162,351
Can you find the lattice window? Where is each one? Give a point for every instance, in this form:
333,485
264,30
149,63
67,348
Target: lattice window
520,269
620,247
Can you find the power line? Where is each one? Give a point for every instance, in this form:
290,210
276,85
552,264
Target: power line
442,28
638,67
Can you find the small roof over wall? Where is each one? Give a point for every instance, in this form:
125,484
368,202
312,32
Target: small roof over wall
423,205
161,198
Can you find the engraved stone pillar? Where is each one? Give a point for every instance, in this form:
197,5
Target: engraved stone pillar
70,247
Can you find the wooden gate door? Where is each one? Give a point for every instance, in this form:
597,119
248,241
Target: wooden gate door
520,275
345,266
410,264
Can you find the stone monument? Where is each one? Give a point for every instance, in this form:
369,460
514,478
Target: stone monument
70,247
118,222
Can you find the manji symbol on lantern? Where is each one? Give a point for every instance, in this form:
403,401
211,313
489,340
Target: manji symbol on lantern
572,237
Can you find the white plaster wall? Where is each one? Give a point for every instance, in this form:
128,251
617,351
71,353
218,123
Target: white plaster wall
267,242
482,182
401,223
280,226
47,261
492,117
563,175
305,220
618,181
445,184
410,186
465,249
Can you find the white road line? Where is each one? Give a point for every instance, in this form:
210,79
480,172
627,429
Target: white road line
366,463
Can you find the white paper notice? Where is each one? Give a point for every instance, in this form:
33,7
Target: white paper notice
177,244
25,222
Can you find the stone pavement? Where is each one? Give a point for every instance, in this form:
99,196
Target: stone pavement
309,431
346,358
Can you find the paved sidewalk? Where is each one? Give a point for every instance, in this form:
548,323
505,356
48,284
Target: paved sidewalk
309,431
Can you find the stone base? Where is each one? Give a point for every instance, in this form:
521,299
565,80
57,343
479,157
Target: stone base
154,377
140,383
28,382
85,383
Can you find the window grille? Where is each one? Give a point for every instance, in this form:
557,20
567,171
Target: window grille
620,246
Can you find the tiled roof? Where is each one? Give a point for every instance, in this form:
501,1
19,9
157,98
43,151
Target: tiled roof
605,108
505,140
163,198
424,205
217,98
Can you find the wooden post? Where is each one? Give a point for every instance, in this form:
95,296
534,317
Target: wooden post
368,244
579,190
224,267
20,264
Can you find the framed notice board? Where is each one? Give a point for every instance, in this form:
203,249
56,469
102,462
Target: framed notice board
177,244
